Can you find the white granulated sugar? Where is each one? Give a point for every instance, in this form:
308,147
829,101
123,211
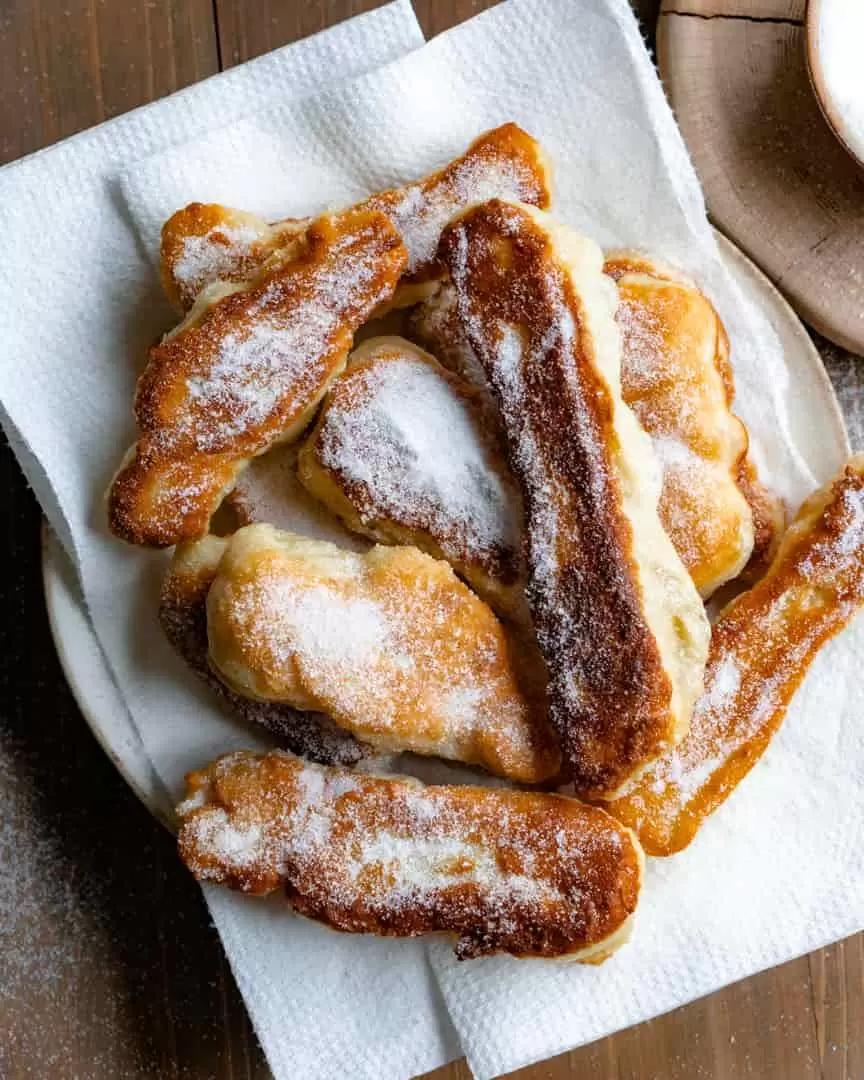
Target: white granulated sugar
233,845
321,624
644,347
686,777
418,864
414,445
462,703
253,370
206,258
277,356
721,687
836,552
674,454
840,45
510,350
852,537
420,216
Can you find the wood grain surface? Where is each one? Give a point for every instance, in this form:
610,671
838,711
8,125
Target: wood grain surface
108,966
776,179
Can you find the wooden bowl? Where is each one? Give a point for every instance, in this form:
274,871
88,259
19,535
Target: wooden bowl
830,107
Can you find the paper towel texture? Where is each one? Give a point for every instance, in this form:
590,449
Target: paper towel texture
779,870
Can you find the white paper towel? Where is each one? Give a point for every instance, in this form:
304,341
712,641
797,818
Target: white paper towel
85,305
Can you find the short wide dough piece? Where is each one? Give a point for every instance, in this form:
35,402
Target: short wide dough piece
389,644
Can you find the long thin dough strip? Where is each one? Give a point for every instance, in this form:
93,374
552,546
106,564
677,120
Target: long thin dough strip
503,871
246,370
620,623
183,617
390,644
762,646
202,243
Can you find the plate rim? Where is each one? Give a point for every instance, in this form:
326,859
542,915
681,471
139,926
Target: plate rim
60,594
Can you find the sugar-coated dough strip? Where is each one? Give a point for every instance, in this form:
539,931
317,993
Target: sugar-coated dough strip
389,644
246,370
502,871
676,376
204,243
762,646
406,452
620,623
183,617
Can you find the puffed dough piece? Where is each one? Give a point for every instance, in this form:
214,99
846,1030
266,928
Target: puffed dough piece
183,618
406,452
502,871
203,243
246,370
762,647
619,621
676,376
389,644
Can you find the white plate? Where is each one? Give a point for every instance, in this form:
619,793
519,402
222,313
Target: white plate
822,434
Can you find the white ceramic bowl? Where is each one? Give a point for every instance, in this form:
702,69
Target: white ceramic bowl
824,73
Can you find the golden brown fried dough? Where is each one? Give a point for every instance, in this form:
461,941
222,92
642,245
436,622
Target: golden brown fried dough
503,871
390,644
202,244
406,453
675,375
762,646
183,617
617,616
246,370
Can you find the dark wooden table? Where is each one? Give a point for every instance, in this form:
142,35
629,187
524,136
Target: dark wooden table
108,966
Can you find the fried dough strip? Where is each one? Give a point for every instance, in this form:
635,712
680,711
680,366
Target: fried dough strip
503,871
406,452
203,243
617,616
390,644
246,370
762,647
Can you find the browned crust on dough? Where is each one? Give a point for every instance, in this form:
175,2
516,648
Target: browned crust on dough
623,716
769,513
358,503
216,222
507,143
183,617
769,519
772,633
191,448
590,865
